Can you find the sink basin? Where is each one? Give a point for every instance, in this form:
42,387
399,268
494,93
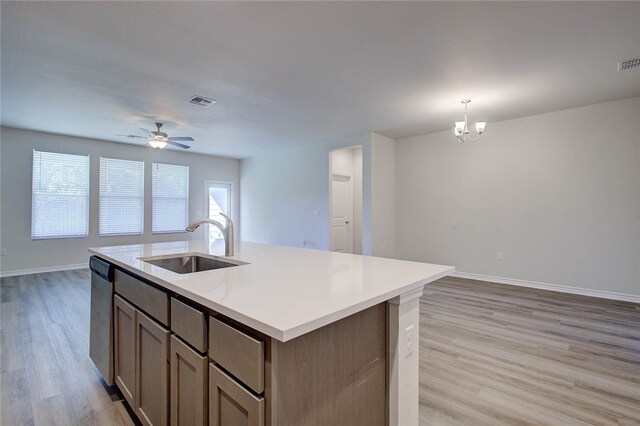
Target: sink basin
187,264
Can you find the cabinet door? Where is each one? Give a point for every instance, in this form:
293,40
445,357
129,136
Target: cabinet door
188,385
124,327
230,404
152,372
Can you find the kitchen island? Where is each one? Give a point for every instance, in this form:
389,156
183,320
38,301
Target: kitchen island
273,335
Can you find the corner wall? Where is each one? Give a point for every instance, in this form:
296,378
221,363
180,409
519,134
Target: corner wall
557,194
16,152
383,196
282,190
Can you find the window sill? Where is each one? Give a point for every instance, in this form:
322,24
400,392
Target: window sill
168,232
58,237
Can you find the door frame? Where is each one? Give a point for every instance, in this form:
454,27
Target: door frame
350,207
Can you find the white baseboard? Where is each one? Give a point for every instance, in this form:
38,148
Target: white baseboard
553,287
45,269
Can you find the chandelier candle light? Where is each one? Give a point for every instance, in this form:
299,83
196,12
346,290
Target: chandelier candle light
461,128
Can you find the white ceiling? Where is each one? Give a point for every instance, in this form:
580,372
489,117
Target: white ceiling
293,73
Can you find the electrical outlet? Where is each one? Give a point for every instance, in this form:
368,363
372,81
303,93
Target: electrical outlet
499,255
409,339
316,212
3,252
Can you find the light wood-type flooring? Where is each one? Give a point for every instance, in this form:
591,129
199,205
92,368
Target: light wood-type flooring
490,354
496,354
46,376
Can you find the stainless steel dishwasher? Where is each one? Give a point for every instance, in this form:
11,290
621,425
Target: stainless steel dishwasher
101,331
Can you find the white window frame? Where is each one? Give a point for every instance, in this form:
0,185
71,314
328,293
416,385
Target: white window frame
115,234
177,231
88,198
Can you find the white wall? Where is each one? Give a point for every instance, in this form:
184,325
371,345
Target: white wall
348,161
357,200
558,194
383,196
342,161
282,189
16,148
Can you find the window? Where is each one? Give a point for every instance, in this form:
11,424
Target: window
59,195
121,197
170,190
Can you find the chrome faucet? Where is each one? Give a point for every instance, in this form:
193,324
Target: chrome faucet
227,231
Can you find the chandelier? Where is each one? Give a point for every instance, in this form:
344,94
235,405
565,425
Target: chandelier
461,128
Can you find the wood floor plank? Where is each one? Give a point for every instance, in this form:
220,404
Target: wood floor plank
46,376
15,400
497,354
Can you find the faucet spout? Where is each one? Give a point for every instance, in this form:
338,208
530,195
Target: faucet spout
227,231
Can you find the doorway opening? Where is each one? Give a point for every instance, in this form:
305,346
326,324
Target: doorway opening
217,197
345,200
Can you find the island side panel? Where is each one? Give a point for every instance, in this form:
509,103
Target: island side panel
404,358
336,375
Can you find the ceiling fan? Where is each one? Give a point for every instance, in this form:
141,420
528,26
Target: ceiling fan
159,140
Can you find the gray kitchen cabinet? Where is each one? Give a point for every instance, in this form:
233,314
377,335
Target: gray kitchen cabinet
147,298
141,353
124,327
238,353
230,404
152,384
188,385
190,324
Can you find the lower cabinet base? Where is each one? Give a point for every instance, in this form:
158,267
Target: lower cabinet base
336,375
152,372
141,363
189,377
230,403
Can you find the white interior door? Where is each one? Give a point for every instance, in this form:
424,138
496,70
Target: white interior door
341,213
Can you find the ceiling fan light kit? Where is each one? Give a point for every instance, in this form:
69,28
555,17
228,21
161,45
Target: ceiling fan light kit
158,144
461,128
157,139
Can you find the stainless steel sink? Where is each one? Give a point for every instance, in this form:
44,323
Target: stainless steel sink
187,264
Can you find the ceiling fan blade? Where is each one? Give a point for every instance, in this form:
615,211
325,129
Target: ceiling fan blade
149,132
181,138
131,136
179,145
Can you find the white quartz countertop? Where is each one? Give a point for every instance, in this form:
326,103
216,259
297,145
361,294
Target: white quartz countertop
283,292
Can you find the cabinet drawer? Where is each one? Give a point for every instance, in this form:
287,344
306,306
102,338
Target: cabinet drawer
230,403
238,353
190,324
151,300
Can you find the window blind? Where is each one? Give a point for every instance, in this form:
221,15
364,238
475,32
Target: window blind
121,197
59,195
170,193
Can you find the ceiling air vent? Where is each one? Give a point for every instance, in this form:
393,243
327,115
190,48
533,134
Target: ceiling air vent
201,101
629,64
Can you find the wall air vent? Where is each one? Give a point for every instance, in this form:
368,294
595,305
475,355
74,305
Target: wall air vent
629,64
201,101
